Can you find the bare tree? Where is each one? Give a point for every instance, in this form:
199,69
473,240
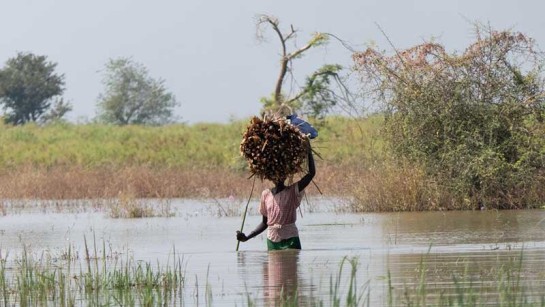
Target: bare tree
315,94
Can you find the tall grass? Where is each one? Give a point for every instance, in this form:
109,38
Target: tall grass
400,186
111,146
66,161
105,280
93,146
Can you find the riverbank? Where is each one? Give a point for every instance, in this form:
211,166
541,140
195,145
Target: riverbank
65,161
91,161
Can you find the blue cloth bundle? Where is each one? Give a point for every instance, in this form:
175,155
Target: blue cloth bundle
303,126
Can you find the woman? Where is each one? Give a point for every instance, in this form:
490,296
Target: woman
279,209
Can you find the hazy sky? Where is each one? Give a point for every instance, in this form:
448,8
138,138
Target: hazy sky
207,51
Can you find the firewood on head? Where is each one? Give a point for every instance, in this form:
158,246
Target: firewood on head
273,148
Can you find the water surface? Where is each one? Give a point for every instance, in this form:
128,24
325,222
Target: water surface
392,248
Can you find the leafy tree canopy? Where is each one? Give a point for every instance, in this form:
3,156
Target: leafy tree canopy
28,84
131,96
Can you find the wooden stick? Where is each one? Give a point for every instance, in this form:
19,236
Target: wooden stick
246,210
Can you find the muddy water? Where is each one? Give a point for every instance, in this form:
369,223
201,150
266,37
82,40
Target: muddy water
399,249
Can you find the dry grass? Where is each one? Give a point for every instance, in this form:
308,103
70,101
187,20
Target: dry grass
372,186
126,206
393,187
147,182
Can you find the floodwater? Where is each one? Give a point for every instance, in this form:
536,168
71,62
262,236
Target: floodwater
396,253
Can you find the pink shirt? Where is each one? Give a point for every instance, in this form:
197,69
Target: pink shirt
281,212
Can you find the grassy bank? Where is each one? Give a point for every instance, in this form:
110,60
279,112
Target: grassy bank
85,161
66,161
204,146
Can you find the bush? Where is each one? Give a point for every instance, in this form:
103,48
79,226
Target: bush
474,120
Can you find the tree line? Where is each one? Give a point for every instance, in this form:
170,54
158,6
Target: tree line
31,91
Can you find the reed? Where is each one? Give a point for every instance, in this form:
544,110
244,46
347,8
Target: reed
354,295
107,280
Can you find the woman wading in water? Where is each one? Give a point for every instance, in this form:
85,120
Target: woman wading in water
279,209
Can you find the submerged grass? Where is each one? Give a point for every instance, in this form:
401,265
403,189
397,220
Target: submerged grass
121,207
506,288
126,206
104,280
502,286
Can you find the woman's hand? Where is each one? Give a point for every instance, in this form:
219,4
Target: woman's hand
260,228
241,236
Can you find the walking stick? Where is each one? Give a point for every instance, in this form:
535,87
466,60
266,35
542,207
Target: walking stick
246,210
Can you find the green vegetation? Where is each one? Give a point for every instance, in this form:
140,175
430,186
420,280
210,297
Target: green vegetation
106,280
95,145
28,84
473,122
174,146
66,161
131,96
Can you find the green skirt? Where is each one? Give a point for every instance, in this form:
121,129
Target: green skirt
291,243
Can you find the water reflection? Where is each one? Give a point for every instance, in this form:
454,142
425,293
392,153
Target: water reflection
274,276
281,277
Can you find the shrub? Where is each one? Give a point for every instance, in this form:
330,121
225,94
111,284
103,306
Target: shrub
474,120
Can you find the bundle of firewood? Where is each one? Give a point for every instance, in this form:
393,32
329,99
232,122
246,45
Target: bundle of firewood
273,148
